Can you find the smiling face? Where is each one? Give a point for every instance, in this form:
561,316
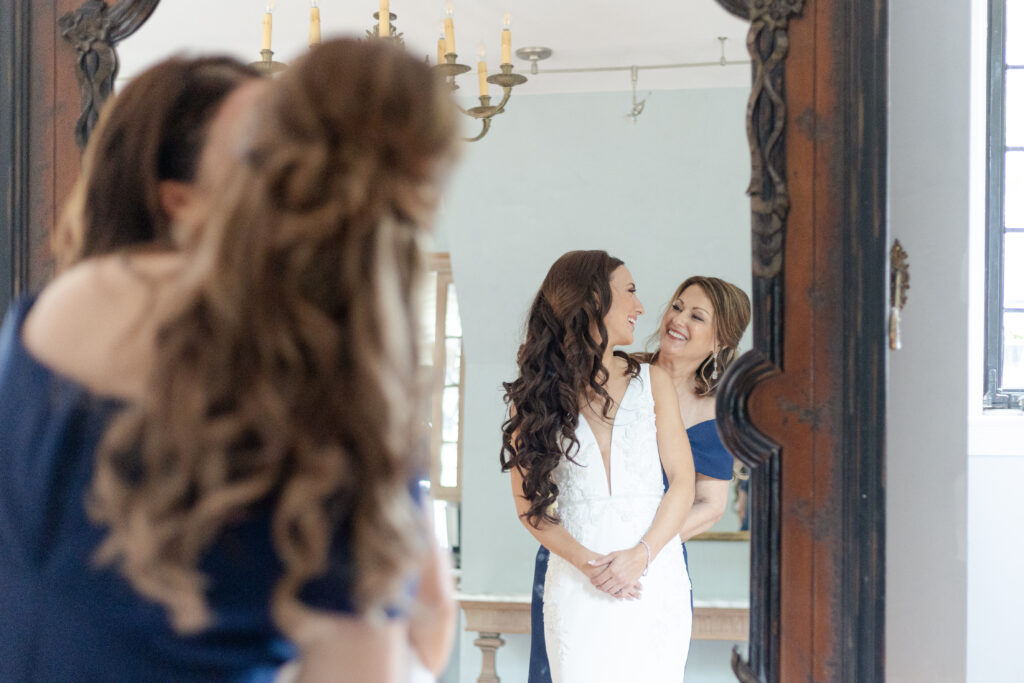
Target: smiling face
620,321
688,328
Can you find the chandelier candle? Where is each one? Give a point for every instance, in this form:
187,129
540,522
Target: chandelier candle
268,24
314,24
481,69
506,40
449,29
384,19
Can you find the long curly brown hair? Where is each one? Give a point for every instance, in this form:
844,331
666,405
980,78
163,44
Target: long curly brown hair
559,363
286,379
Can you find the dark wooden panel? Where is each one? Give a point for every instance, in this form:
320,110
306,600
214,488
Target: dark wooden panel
15,56
54,158
41,104
806,408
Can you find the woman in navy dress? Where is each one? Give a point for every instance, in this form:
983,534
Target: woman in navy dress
696,341
206,451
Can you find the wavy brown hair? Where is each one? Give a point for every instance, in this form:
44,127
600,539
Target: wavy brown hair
286,378
151,131
559,363
731,315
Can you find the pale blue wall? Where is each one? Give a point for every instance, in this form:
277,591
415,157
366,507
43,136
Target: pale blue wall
563,172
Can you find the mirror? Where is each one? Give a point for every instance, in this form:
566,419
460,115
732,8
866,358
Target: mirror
564,167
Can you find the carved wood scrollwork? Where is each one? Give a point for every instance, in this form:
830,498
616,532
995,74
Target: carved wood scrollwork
768,45
94,29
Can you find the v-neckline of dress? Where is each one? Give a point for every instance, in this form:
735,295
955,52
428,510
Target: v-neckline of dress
607,470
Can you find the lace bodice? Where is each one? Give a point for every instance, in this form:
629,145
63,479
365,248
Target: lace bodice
636,481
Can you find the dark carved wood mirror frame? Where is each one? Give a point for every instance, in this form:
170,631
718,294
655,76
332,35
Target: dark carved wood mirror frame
805,409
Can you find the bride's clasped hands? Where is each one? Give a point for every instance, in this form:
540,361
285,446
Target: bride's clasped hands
618,573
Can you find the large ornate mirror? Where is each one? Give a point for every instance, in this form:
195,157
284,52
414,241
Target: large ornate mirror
576,161
572,163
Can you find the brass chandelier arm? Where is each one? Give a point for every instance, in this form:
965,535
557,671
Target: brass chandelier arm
506,93
486,110
506,80
483,131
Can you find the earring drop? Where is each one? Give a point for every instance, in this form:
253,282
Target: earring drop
714,372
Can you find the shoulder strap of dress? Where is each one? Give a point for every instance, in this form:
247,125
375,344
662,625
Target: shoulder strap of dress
645,373
645,380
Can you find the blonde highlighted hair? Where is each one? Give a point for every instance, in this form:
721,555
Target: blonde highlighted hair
287,378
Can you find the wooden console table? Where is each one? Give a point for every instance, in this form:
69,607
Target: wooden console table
492,615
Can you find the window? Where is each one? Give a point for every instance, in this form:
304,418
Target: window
1004,282
442,370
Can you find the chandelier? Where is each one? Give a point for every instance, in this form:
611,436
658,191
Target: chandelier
447,64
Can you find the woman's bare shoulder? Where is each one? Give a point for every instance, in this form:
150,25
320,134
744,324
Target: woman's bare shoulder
659,376
94,322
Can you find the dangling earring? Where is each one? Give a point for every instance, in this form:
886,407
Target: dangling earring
714,372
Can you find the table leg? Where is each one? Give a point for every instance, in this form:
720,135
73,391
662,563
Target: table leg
489,644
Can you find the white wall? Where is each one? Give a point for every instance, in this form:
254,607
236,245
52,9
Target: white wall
560,172
926,479
995,609
995,595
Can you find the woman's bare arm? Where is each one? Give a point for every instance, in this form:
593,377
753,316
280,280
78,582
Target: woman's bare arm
554,537
710,499
333,647
432,621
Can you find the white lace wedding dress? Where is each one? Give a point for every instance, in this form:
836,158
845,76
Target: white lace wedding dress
591,636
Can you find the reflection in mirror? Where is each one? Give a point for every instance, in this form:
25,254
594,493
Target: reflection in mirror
570,164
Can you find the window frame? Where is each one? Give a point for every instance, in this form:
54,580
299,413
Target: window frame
996,396
440,263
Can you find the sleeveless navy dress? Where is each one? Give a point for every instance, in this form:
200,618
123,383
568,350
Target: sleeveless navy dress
62,618
710,458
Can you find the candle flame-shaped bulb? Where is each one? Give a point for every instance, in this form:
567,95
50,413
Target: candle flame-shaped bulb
506,22
449,8
270,6
314,3
481,53
441,29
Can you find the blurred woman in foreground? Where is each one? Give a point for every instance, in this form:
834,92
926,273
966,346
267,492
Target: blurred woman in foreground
209,455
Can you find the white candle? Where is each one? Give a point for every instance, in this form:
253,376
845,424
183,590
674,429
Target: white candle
314,24
481,69
449,28
268,25
506,40
384,19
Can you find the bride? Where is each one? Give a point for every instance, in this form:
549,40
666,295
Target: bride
589,433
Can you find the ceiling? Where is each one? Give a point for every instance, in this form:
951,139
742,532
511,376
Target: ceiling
582,34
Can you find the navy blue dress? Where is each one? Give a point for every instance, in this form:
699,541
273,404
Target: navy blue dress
62,618
710,458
